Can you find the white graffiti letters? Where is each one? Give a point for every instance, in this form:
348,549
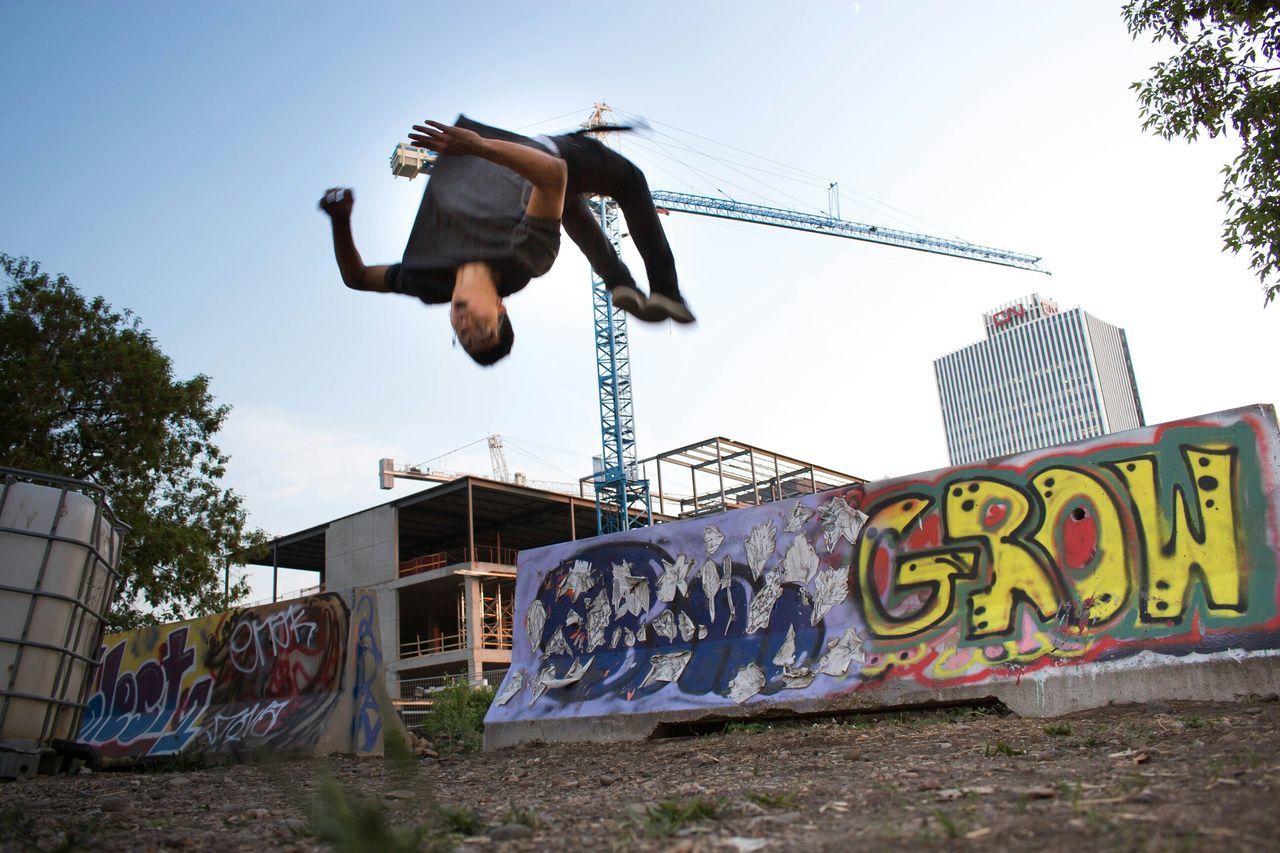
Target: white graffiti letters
255,721
255,643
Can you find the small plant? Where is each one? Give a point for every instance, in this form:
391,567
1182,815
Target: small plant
78,836
396,748
1001,748
768,800
1131,784
747,727
17,825
1098,825
948,824
523,815
351,825
1195,722
459,820
456,720
664,818
1058,730
1070,792
859,721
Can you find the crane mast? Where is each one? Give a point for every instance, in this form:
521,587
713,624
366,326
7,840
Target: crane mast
622,498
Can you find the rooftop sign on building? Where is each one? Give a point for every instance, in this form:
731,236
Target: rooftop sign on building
1016,313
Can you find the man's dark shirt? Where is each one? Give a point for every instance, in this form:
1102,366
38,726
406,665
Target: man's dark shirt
474,210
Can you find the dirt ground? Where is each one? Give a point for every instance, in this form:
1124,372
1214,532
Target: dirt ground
1160,777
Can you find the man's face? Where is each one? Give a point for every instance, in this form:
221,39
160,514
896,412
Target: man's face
475,332
476,308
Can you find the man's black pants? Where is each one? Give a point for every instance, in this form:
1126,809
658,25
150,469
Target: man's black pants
596,169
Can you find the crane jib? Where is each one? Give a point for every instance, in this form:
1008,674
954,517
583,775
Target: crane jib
835,227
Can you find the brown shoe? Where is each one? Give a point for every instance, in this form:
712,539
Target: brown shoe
631,300
667,308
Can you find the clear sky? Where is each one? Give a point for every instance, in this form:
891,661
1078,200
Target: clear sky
169,157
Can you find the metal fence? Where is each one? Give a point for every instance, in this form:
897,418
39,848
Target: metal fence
414,702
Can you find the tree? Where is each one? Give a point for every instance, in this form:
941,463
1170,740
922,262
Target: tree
88,394
1222,79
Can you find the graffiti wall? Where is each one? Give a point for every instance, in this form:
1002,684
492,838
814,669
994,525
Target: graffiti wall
276,677
1160,540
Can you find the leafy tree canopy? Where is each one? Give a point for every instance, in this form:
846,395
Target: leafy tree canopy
88,394
1223,79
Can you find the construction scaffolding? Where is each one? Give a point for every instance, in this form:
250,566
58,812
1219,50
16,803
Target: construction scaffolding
720,474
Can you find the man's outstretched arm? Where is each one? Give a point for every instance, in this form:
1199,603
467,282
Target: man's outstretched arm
548,174
337,202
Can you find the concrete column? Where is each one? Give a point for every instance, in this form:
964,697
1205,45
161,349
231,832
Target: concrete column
389,623
475,609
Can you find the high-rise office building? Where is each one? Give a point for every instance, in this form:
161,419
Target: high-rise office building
1042,377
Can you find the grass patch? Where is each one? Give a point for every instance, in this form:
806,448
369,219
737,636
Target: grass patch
18,826
349,823
1058,730
459,820
747,727
353,825
769,800
523,815
1127,785
950,826
991,750
664,818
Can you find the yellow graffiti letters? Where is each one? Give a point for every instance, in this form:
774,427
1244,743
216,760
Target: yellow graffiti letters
932,574
1083,533
1176,548
994,511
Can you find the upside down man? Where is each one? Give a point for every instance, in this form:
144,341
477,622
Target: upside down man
490,222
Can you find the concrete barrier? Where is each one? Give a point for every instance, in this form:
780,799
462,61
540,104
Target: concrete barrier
1138,566
301,676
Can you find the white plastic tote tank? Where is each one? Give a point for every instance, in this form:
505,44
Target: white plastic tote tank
59,547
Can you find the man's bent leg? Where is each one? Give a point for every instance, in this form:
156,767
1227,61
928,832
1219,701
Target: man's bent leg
597,168
583,228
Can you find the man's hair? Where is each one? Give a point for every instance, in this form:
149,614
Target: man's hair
500,350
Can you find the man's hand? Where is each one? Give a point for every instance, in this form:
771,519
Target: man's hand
338,201
447,139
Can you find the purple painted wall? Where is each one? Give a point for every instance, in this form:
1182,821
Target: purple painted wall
1160,540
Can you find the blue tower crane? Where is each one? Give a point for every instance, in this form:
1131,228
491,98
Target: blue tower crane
622,498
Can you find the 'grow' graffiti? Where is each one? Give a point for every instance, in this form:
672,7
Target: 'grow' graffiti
1159,539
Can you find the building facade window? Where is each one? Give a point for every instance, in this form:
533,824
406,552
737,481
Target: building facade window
1041,377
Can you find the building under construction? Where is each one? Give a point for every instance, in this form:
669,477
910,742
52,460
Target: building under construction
443,560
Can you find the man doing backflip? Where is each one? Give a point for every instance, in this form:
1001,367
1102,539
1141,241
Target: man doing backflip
489,221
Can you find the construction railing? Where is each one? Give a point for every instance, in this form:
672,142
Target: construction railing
497,638
286,596
440,559
433,645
